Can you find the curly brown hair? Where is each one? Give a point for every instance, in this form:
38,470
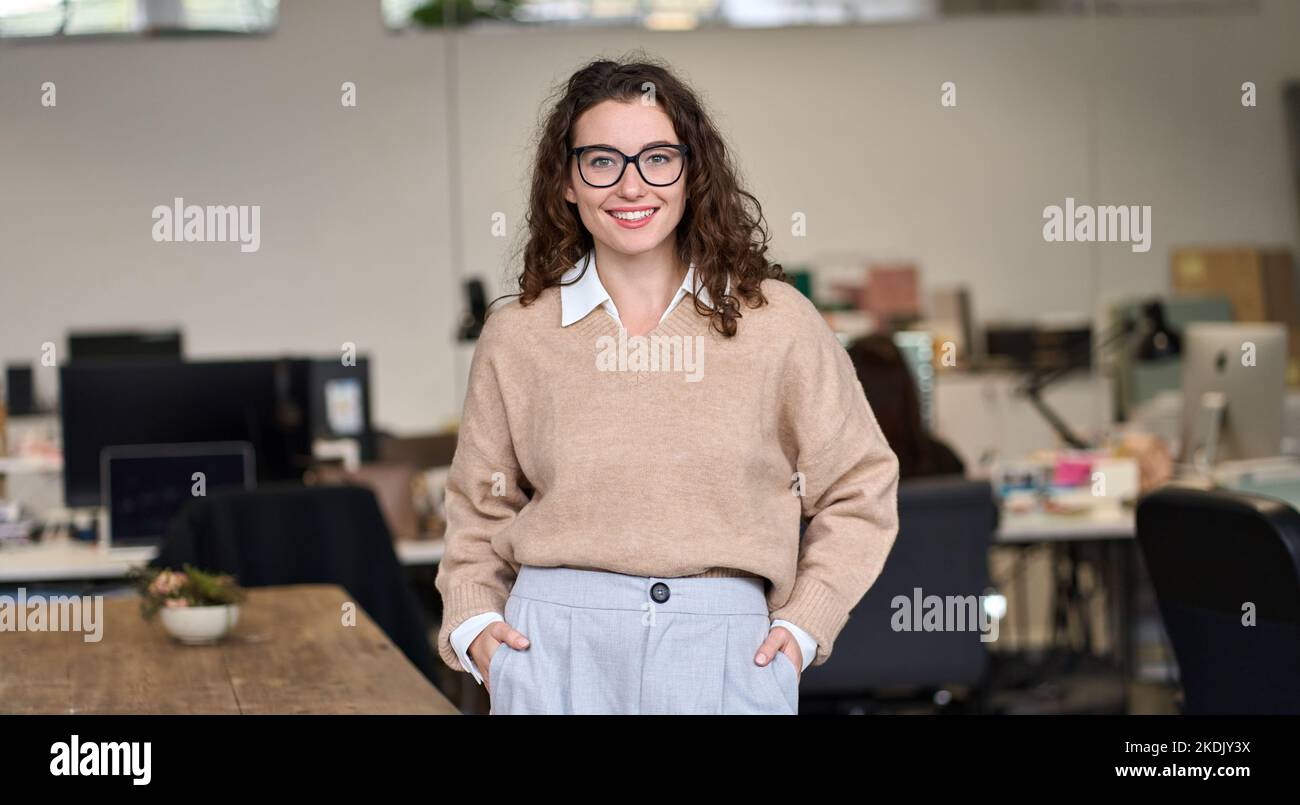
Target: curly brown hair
722,230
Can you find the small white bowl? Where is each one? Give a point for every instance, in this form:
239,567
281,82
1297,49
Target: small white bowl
199,626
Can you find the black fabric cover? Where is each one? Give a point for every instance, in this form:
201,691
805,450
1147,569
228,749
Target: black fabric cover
304,535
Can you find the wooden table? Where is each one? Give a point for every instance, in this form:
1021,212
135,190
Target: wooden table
289,654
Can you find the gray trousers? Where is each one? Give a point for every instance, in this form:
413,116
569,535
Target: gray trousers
612,643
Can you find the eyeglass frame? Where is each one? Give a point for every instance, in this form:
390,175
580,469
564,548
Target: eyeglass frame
634,159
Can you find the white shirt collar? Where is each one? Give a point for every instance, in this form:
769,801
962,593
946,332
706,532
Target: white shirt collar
581,297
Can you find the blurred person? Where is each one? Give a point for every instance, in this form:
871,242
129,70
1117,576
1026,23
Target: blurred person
891,390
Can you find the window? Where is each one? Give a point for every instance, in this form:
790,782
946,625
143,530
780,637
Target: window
25,18
688,14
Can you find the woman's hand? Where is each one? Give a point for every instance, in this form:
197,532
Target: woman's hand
780,639
489,642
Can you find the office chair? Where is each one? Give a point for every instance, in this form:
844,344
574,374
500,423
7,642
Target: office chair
304,535
1209,555
945,527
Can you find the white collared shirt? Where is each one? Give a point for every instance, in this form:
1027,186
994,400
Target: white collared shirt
581,297
576,301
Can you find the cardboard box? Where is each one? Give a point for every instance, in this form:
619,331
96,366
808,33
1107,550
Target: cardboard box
892,293
1260,284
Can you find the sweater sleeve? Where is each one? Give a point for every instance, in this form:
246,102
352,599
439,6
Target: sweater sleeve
849,479
485,492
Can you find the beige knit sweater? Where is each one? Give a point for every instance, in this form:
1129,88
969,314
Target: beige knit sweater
695,467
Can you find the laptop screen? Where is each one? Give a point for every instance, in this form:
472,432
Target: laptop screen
146,485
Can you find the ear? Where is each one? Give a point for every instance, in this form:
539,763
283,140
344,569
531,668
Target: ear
569,195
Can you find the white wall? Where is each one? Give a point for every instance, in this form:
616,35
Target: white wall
843,124
354,203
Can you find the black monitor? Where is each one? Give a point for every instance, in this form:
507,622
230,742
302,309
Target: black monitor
338,398
278,405
104,404
124,345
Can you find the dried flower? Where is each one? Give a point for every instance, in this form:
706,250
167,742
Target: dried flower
189,587
167,583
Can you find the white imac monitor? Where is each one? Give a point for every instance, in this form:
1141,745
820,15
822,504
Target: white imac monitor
1234,387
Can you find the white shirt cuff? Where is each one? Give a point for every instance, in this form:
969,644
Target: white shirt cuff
464,634
807,645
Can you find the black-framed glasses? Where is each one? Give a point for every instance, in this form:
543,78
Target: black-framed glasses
659,165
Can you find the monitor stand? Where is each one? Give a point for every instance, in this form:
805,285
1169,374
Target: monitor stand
1214,405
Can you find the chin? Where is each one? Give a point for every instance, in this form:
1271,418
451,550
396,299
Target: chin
636,241
634,246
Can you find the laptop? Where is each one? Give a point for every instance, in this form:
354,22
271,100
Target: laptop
145,485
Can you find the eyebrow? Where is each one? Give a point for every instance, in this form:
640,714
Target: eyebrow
642,148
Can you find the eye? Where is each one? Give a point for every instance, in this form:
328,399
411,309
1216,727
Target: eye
659,157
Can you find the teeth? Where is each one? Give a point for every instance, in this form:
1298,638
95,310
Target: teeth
632,216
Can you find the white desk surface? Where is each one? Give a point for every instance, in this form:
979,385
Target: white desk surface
64,559
1097,523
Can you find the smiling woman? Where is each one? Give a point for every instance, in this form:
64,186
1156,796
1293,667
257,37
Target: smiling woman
585,503
650,200
684,197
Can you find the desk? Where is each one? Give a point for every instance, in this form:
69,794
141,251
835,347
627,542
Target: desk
289,654
1286,491
1115,530
65,560
1095,524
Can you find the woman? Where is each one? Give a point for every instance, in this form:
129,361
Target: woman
633,461
891,392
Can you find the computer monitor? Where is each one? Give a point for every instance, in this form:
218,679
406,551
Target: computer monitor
1234,386
124,345
917,348
339,399
279,405
146,485
106,404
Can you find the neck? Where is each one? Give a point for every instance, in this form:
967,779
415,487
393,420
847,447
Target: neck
641,285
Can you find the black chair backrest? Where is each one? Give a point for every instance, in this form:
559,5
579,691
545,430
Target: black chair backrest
1214,557
945,527
304,535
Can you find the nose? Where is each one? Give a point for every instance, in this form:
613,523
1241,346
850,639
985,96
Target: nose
631,185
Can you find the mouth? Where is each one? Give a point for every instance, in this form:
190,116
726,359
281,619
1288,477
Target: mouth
633,219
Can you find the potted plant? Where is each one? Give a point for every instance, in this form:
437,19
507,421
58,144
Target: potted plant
196,607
